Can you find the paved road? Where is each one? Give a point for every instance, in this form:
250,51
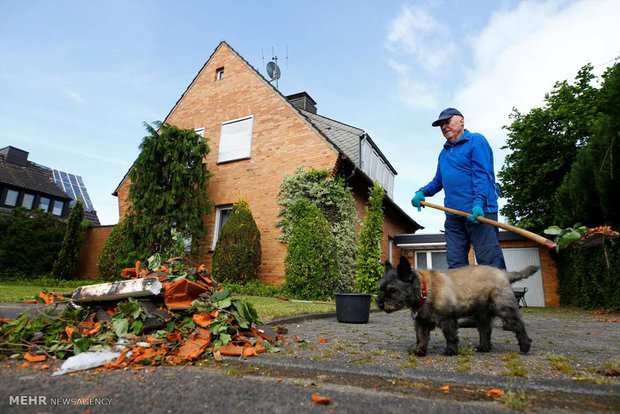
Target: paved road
362,369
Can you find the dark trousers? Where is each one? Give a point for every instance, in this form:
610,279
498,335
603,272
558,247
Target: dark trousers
460,232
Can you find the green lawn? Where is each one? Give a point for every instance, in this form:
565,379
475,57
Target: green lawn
267,308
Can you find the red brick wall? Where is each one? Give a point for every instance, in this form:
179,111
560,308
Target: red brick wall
90,251
281,142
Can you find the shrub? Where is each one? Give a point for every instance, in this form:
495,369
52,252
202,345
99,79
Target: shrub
332,196
117,253
237,254
590,277
369,269
254,288
65,264
311,264
30,241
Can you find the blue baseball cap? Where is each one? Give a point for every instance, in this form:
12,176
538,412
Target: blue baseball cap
446,114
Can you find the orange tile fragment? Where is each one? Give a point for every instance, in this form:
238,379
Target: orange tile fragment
45,366
180,294
174,336
34,358
69,331
320,400
495,393
24,365
445,389
322,340
231,349
202,320
94,330
195,345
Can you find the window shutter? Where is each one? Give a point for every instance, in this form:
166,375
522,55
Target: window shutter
236,139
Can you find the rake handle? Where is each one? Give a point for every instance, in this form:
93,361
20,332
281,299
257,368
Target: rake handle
522,232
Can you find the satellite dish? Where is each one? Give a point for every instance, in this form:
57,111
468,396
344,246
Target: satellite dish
273,70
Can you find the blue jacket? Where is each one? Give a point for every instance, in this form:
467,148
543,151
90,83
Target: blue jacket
465,172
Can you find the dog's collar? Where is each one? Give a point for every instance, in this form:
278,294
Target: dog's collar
424,291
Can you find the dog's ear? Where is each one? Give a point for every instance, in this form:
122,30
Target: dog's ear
387,265
404,270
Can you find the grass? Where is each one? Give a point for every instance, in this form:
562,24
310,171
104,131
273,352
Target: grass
267,308
15,291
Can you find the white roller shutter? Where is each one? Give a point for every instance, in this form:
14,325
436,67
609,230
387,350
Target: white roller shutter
517,259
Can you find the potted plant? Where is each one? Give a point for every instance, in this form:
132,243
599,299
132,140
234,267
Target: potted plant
355,307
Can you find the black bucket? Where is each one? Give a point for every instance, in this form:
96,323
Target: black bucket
353,307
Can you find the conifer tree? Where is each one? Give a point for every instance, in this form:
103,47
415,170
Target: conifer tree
65,264
237,254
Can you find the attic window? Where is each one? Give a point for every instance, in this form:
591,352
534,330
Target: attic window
219,74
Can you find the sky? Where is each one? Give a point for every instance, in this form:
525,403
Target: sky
78,79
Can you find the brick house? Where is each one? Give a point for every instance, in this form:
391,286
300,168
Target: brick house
257,137
26,184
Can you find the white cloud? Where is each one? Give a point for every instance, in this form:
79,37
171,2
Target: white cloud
522,52
76,97
416,33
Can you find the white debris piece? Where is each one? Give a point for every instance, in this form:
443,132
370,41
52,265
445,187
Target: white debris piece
86,360
133,288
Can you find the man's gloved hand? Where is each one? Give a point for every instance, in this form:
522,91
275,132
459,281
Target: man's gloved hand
475,212
415,201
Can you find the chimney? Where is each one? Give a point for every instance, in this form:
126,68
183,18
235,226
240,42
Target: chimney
15,156
303,101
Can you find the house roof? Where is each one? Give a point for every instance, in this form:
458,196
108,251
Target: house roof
440,238
346,137
29,176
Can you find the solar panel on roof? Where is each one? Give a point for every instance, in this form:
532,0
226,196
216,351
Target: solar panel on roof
74,186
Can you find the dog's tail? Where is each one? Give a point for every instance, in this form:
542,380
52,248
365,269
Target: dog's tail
521,274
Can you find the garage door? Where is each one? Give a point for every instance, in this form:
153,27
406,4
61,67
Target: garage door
517,259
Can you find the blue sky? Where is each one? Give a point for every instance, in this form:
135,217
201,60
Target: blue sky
78,78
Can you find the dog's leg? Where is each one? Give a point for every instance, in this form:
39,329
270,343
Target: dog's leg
485,327
423,330
511,318
449,326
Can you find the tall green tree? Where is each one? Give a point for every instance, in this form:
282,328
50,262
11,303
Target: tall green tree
369,268
65,264
168,190
544,144
590,192
237,254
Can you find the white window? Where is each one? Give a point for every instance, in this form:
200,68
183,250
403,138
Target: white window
236,139
219,74
11,198
58,205
390,248
221,214
44,204
200,131
431,260
27,201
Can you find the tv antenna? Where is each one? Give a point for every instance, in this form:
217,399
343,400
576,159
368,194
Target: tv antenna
273,70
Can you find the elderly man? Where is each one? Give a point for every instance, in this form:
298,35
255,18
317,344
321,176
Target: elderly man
465,172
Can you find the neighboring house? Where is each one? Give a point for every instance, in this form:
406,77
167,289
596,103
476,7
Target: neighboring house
426,251
257,137
33,186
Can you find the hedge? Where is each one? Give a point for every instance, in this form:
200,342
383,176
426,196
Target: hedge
587,279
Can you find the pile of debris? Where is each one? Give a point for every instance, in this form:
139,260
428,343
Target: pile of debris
163,313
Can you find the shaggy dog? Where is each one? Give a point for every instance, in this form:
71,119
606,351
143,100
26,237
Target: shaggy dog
440,298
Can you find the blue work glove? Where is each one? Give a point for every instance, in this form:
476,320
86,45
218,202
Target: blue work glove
475,212
415,201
